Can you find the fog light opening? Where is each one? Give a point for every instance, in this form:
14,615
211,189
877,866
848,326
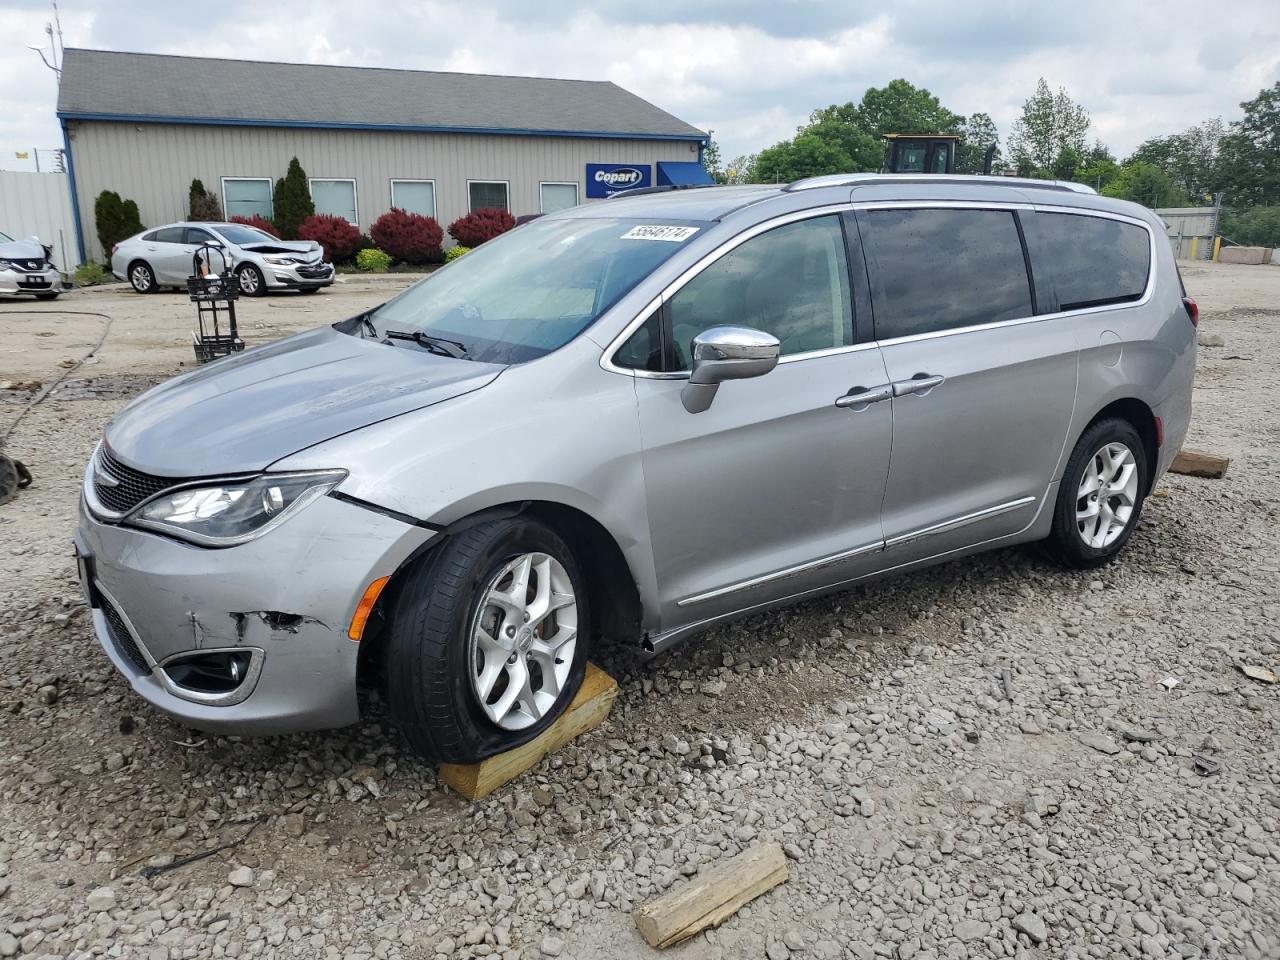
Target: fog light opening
210,673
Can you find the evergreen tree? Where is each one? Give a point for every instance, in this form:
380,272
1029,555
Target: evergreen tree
292,201
202,205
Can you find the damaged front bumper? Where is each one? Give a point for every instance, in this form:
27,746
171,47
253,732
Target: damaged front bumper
250,639
27,283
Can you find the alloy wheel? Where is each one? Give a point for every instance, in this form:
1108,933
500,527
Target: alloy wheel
1107,495
140,276
249,281
523,640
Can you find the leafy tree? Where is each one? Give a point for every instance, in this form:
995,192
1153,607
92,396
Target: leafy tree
1050,123
202,205
741,169
115,220
292,202
1190,157
1249,154
901,107
711,159
1256,226
808,155
1147,184
844,126
977,133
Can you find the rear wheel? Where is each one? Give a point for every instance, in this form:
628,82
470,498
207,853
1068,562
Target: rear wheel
142,277
252,283
1101,495
488,640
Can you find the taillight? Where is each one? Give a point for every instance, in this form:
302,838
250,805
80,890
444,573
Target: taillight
1193,311
114,248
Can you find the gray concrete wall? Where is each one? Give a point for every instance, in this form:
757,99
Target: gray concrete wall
154,164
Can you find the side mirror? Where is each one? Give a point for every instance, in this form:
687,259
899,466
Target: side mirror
726,353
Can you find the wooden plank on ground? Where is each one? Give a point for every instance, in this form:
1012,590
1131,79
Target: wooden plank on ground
1194,463
588,710
712,897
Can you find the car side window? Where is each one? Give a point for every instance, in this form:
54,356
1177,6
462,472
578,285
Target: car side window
167,235
791,281
941,269
1092,260
643,349
196,235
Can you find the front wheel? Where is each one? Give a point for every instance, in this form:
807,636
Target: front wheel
1101,495
252,283
488,640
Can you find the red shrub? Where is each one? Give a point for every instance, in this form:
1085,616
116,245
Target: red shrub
408,237
481,225
262,223
338,235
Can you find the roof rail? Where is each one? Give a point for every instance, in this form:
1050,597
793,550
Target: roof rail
860,179
641,191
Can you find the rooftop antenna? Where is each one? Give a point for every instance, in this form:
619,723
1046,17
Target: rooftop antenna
54,32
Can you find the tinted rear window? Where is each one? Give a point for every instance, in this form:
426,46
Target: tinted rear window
1092,260
940,269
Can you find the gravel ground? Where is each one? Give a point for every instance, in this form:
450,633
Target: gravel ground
929,811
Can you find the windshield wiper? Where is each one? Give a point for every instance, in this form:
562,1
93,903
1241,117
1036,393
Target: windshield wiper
439,345
369,325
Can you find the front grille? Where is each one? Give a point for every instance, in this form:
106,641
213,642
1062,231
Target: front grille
313,270
131,487
27,266
122,638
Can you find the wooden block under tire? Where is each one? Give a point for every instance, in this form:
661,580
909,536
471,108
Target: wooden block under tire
587,711
1194,463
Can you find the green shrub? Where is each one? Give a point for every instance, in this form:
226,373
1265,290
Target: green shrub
202,206
89,274
291,203
1252,226
453,253
373,261
115,220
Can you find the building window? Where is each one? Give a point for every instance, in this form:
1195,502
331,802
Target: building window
486,194
246,197
336,198
557,196
414,196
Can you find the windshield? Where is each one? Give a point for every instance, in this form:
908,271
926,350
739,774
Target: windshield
532,290
238,234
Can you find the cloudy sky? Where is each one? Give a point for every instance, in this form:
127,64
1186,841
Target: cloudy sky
750,70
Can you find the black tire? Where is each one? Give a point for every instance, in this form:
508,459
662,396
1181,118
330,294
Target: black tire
429,687
257,283
46,296
141,277
1065,540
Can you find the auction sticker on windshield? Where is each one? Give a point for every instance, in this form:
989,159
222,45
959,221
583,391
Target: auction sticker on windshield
658,231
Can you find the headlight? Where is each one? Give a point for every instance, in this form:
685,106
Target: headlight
221,515
282,260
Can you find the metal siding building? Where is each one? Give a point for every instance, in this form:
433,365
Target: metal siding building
145,125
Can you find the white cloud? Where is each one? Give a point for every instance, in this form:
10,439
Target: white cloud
752,70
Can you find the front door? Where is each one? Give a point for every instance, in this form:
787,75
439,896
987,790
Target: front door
775,489
984,390
171,258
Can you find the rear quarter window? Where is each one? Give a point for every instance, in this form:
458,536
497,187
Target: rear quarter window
1091,261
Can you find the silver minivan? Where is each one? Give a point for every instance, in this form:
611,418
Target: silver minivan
633,419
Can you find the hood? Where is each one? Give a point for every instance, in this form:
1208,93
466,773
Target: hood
29,249
241,414
308,248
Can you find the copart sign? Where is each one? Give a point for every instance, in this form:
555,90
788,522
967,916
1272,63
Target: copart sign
607,179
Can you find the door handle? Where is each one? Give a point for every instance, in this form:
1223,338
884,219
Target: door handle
920,383
859,398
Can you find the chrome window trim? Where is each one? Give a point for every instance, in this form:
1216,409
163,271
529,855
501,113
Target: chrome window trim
606,357
1035,208
783,574
672,288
